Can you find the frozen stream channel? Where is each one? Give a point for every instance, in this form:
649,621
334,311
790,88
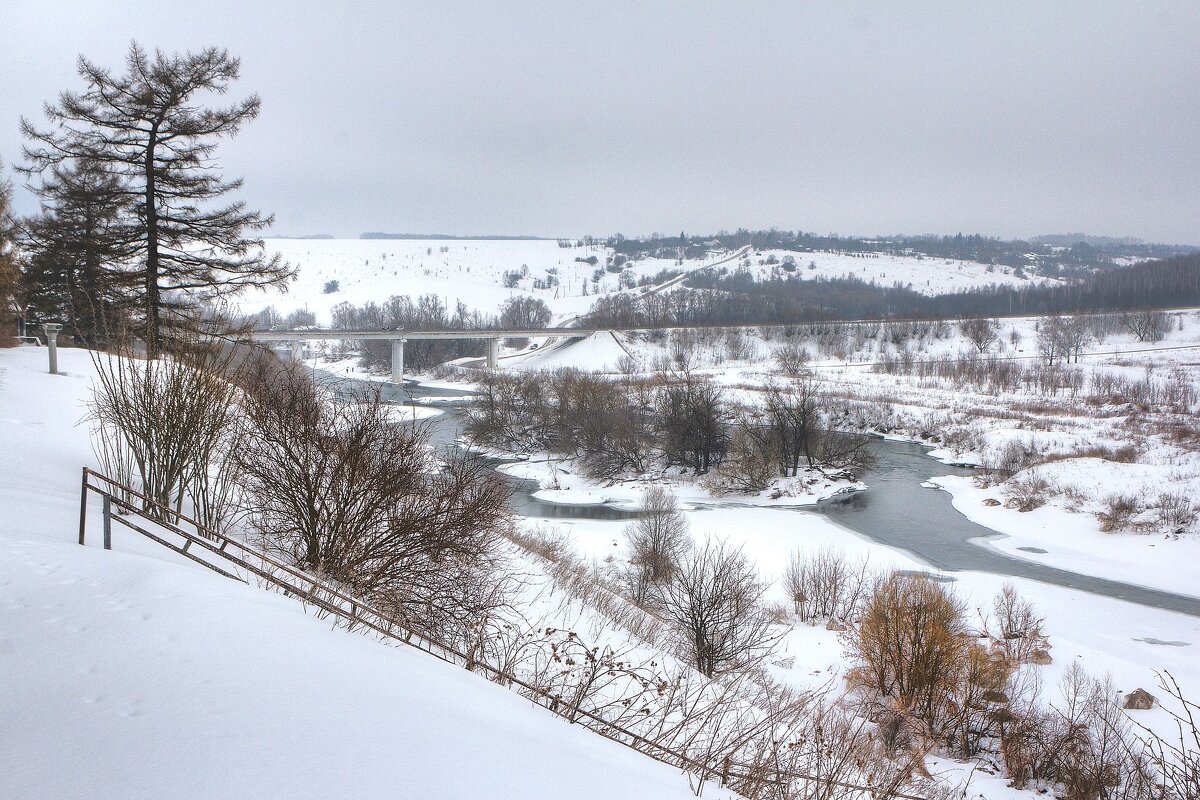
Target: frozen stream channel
896,511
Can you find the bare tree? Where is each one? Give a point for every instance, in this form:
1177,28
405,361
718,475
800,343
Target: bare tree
982,332
1063,338
692,422
714,605
793,412
657,541
1147,326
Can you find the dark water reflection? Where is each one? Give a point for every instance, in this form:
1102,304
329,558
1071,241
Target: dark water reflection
895,510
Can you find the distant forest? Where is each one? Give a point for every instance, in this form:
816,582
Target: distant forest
1052,256
479,238
722,297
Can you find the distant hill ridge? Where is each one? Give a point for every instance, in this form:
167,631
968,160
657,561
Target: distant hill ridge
497,237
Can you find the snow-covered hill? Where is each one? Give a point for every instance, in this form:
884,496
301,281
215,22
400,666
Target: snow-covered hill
131,674
473,272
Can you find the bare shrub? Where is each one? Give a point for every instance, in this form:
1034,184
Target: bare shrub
714,605
1014,628
1118,512
657,542
791,358
1009,458
1175,762
824,585
1175,512
345,492
166,415
911,645
1085,745
1027,492
750,463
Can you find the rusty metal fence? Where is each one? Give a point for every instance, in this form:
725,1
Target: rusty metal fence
227,556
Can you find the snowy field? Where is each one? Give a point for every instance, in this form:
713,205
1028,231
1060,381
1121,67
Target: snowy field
472,272
156,662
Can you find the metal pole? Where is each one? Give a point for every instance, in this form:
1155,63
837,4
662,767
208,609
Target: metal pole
107,522
51,329
83,506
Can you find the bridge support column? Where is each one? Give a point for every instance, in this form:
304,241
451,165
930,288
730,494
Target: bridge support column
298,350
398,360
493,351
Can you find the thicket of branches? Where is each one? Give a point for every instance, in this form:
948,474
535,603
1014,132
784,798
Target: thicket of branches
635,424
335,483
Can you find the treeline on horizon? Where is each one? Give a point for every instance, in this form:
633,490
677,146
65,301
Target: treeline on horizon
713,297
1050,255
471,238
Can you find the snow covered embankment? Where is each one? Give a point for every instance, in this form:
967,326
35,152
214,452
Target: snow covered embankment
132,674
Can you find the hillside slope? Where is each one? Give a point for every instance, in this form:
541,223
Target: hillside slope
473,272
128,674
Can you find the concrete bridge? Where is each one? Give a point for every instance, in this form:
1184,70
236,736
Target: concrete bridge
399,337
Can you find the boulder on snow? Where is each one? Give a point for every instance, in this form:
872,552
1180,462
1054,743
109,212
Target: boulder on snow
834,625
1139,700
991,501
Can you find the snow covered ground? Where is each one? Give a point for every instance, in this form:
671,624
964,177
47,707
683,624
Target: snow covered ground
134,674
153,662
473,272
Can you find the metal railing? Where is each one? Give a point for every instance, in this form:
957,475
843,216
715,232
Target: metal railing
234,559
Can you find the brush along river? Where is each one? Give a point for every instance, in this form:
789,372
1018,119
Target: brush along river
896,510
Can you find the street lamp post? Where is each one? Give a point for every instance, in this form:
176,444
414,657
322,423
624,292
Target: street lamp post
51,330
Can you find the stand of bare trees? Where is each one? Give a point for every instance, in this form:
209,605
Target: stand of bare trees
335,483
617,427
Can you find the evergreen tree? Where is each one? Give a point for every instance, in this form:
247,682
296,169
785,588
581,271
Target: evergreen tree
79,252
149,128
8,268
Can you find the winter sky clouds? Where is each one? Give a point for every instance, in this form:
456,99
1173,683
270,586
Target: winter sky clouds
1007,119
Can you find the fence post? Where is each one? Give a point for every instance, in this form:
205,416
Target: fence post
83,506
107,522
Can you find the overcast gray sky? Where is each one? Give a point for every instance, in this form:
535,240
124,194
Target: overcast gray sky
1007,118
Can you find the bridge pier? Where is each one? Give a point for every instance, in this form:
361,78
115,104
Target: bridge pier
298,350
398,360
492,352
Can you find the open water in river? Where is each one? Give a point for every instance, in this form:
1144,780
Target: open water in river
895,510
